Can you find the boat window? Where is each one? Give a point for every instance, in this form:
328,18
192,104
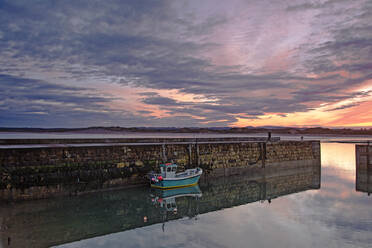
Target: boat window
174,168
169,169
168,205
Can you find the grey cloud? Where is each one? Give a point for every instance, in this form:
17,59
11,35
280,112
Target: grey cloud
158,100
345,106
28,102
154,45
350,43
144,112
315,5
348,49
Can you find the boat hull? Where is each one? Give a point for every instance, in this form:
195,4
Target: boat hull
179,183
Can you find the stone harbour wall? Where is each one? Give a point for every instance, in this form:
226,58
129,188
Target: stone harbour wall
40,172
363,168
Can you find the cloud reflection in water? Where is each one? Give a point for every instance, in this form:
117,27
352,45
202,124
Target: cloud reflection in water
334,216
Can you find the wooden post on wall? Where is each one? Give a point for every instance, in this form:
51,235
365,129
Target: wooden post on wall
197,153
190,155
164,153
263,154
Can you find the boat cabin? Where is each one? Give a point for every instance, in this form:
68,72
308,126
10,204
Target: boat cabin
168,170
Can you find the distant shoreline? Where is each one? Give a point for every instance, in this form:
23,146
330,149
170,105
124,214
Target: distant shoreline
223,130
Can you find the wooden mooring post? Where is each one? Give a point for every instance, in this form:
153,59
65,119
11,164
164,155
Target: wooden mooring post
164,154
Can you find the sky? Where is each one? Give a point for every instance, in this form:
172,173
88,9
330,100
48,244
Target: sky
188,63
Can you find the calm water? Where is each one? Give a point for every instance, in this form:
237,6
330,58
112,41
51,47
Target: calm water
82,135
304,207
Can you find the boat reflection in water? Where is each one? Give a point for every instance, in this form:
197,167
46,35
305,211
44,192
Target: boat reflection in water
166,201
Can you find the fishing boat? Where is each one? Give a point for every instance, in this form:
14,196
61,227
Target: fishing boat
169,178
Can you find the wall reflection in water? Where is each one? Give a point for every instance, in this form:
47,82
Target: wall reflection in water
336,215
363,168
56,221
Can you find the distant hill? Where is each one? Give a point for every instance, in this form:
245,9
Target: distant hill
273,129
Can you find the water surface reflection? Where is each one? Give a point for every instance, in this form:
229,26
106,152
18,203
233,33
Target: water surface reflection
284,207
52,222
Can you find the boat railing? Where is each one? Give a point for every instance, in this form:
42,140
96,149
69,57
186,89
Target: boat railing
182,174
188,172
